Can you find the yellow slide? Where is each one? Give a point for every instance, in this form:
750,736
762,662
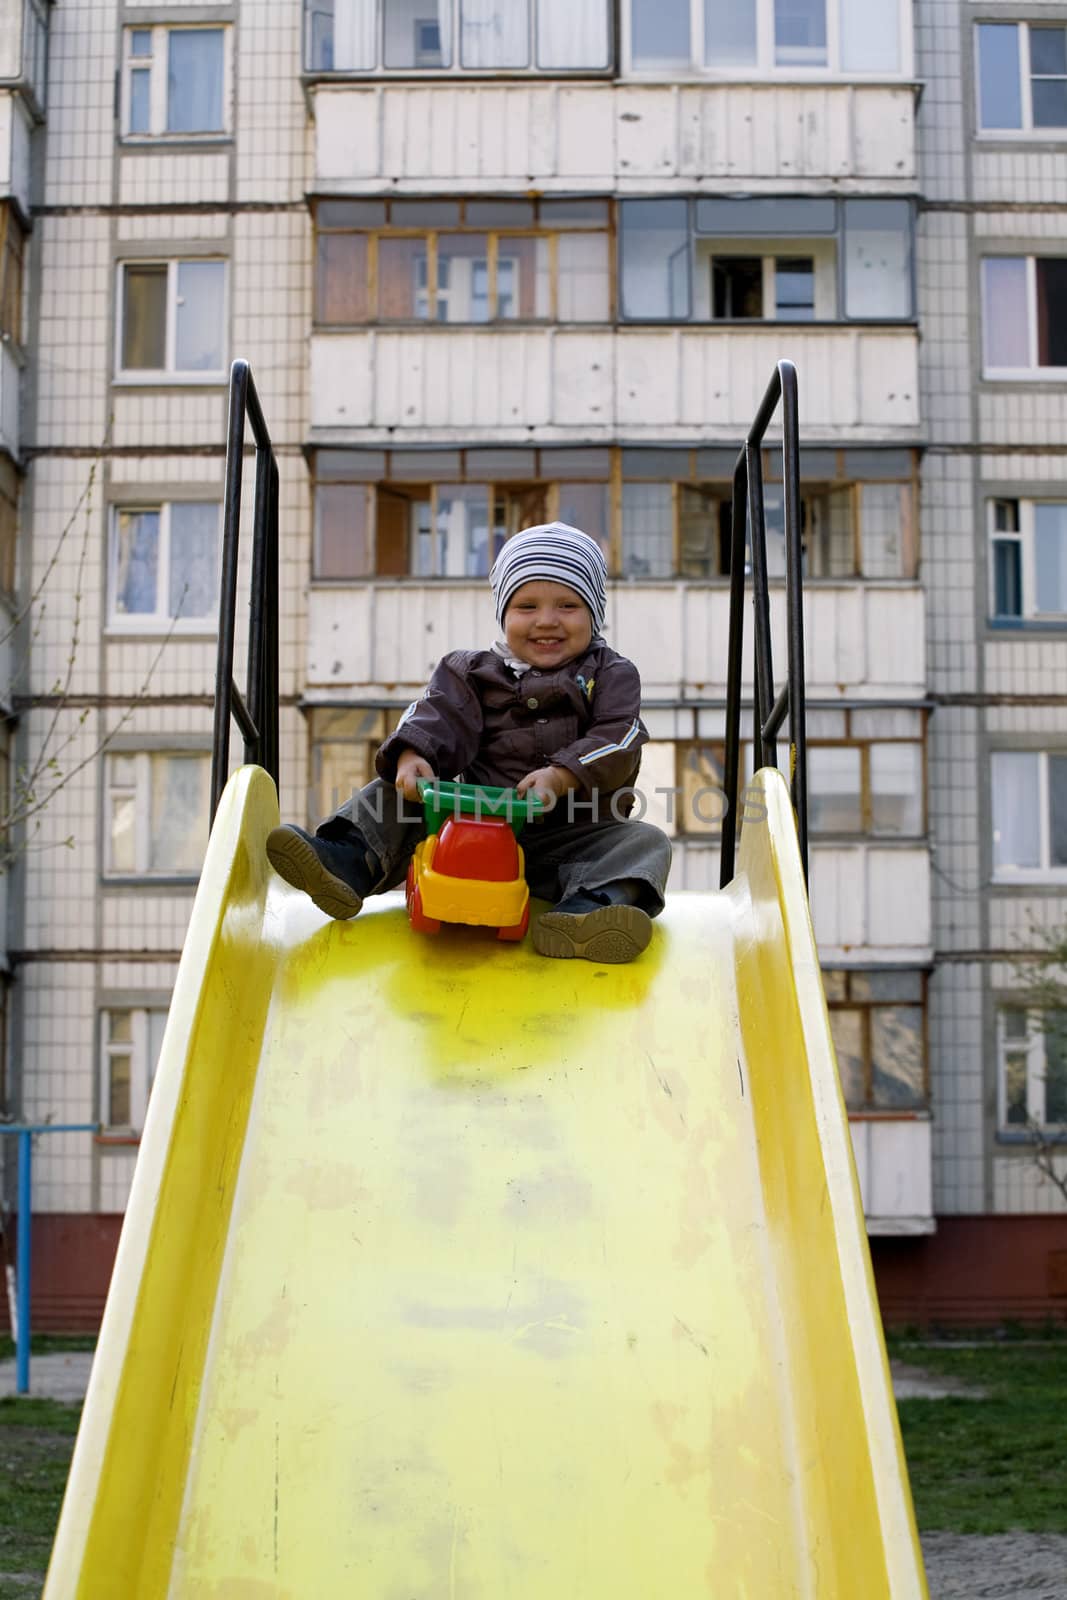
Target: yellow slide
453,1273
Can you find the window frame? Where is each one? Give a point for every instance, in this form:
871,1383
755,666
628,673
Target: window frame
142,1067
1044,872
849,741
157,67
707,244
1033,373
495,236
455,69
1028,131
765,68
1025,536
1033,1047
158,621
866,1007
141,794
546,478
168,374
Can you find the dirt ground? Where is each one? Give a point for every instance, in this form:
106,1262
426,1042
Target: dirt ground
1000,1566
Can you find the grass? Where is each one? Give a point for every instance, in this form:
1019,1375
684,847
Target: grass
36,1442
993,1465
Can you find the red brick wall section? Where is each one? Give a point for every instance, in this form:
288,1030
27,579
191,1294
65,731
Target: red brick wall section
972,1270
975,1270
71,1257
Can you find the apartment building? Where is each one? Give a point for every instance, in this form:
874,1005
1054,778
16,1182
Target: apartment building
494,264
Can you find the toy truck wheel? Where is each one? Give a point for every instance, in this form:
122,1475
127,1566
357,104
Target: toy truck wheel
419,921
513,935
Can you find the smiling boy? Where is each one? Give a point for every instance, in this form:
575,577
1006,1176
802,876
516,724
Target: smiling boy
551,711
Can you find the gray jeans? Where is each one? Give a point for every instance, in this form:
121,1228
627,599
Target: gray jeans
561,857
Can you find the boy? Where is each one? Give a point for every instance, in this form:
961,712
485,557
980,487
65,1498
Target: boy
551,711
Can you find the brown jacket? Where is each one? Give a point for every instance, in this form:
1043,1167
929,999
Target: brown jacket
480,720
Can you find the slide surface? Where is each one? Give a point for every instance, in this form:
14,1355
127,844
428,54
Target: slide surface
454,1273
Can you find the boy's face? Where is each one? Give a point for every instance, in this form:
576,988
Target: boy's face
547,624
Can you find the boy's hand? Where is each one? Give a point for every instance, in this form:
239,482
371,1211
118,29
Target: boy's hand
409,768
547,784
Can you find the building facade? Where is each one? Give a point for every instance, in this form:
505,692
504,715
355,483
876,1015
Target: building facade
493,264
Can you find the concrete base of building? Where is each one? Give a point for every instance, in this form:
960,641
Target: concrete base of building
972,1271
975,1271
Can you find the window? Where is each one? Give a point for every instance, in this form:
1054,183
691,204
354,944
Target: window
174,82
700,782
872,788
1022,76
878,1022
1031,1072
760,36
473,261
1024,315
442,36
866,774
164,565
343,746
848,528
156,813
172,319
446,513
1029,814
12,254
130,1041
788,259
1028,570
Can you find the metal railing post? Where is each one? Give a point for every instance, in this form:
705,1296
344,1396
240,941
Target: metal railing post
769,710
257,710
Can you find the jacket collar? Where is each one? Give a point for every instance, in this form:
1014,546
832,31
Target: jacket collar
500,649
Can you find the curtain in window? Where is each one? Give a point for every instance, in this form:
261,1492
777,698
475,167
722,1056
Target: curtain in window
144,333
730,33
999,93
194,559
136,558
1050,557
1004,312
354,35
178,813
494,33
877,258
870,36
572,33
660,33
198,322
194,80
1016,809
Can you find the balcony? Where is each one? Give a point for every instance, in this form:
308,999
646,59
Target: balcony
14,151
894,1164
682,384
863,641
612,138
24,49
869,900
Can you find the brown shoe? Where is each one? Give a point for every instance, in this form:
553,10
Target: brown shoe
612,933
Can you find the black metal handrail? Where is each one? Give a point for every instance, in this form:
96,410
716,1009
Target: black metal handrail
769,709
258,714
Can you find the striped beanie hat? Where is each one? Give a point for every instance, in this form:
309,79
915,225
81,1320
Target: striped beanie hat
555,553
